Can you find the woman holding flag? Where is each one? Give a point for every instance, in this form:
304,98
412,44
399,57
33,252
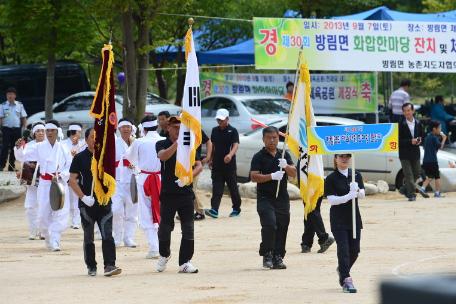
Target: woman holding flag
341,193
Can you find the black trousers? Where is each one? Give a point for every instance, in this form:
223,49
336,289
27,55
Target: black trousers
183,205
347,251
10,136
314,225
274,218
219,178
101,215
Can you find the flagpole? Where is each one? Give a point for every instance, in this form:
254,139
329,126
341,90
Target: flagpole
354,199
289,113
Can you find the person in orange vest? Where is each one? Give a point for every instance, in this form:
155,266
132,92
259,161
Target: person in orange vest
290,88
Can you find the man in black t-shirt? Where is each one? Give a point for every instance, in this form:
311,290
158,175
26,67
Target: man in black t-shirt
269,170
225,141
175,197
91,211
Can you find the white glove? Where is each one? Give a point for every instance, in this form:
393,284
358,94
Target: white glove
180,183
354,186
88,200
352,195
278,175
283,163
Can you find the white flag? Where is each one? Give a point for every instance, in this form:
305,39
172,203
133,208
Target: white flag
311,172
190,130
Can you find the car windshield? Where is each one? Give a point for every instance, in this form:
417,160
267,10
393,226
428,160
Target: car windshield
267,106
154,99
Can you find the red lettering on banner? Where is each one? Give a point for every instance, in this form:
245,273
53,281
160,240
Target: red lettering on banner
270,37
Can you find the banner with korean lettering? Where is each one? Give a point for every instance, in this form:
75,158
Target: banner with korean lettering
368,45
357,138
330,93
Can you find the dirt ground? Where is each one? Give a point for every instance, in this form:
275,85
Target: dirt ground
399,239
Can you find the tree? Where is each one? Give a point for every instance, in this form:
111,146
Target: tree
47,30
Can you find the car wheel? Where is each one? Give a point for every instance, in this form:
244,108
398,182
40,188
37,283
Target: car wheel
399,180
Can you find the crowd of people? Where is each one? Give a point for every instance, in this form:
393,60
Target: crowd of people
149,195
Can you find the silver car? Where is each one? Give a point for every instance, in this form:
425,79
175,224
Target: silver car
75,108
244,110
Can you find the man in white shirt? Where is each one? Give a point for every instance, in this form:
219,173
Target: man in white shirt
12,118
397,99
142,154
74,144
125,211
55,161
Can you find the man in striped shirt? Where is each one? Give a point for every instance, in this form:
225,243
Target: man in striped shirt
397,99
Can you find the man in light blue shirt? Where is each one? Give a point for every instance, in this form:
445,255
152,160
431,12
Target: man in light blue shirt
12,118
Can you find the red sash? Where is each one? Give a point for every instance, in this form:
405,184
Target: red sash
152,186
125,163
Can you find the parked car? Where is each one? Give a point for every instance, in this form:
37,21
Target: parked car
373,165
75,108
242,109
30,82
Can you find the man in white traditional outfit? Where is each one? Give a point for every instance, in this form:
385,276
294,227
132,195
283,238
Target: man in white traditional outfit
55,161
31,200
125,211
74,144
142,155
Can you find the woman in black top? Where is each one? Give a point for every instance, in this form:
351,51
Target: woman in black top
340,191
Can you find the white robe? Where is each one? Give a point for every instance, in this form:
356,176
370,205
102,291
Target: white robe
125,213
75,216
51,159
143,155
31,200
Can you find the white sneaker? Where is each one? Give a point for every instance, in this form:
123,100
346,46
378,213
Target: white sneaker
188,268
32,236
130,243
54,246
161,264
152,255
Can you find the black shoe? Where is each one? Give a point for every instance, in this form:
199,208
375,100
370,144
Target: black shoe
412,198
111,270
277,263
92,272
326,245
422,192
267,260
199,216
305,249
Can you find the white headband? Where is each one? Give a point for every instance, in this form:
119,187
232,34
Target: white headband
38,127
74,128
124,123
150,124
50,126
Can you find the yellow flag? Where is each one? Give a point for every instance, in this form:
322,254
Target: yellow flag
311,171
190,130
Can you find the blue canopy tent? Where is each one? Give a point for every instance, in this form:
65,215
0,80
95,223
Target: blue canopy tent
239,54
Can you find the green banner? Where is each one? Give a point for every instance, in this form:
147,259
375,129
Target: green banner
355,45
330,93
